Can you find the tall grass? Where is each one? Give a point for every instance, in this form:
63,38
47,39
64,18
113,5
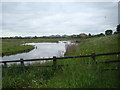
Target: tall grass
17,77
70,48
80,73
83,72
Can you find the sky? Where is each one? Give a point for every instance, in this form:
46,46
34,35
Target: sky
52,18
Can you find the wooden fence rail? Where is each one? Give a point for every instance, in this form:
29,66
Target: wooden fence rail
112,61
93,56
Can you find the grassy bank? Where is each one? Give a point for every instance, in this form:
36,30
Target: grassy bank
83,73
80,73
10,47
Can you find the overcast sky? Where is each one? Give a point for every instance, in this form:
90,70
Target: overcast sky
50,18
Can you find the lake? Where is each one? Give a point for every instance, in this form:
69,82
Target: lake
42,50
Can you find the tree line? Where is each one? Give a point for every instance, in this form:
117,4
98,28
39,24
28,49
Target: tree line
107,32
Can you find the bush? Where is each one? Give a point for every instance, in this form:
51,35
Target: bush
108,32
118,28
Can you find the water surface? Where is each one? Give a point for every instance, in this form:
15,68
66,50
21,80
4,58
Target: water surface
42,50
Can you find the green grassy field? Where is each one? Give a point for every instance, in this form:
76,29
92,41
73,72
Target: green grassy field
13,46
80,73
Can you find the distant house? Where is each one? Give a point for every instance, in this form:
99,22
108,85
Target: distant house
83,35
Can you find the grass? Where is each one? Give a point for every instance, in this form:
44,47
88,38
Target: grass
25,78
80,73
10,47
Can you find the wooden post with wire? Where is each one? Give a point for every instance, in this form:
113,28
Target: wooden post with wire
54,63
94,57
5,64
22,62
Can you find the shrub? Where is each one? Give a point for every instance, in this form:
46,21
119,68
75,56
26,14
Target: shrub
108,32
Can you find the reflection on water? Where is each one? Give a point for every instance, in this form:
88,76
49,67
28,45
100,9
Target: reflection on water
42,50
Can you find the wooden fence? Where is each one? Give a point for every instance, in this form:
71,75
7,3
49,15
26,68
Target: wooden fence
54,59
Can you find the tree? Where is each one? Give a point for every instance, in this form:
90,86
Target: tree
118,28
101,34
108,32
89,34
35,37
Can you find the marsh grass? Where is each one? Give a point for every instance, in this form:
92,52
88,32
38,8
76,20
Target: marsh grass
18,77
70,48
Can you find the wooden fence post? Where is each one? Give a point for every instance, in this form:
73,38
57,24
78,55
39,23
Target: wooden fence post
94,57
5,64
22,62
54,63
